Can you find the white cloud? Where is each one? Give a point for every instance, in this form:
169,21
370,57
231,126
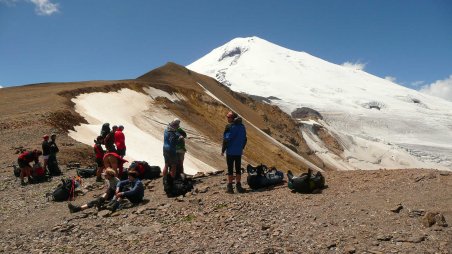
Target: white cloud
356,66
42,7
392,79
440,88
45,7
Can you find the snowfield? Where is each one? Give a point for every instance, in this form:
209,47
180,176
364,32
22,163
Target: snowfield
380,124
143,124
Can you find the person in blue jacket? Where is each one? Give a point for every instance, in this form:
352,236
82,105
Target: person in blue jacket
132,189
234,141
170,140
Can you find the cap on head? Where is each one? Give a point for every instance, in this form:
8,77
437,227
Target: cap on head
114,127
45,137
121,127
175,123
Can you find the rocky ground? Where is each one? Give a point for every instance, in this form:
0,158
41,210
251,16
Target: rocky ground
387,211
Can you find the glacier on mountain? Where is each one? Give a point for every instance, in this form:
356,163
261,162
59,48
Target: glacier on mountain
379,123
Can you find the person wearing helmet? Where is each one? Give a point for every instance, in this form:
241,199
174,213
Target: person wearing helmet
234,141
24,163
45,150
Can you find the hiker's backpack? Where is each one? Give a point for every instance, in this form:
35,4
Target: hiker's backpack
39,174
86,172
146,171
306,182
65,190
16,170
105,130
261,176
177,187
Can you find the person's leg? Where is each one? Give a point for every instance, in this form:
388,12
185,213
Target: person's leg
181,162
229,162
238,173
100,169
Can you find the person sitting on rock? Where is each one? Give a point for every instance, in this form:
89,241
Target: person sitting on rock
131,189
114,161
24,163
112,181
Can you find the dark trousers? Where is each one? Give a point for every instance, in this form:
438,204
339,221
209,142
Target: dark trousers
234,160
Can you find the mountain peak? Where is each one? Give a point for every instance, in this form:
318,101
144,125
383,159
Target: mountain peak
353,101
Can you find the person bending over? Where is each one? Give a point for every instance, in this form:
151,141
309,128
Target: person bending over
24,163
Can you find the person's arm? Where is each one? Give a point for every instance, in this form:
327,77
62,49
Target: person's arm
225,141
246,139
137,188
182,132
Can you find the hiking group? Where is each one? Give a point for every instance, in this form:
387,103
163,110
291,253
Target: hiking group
124,183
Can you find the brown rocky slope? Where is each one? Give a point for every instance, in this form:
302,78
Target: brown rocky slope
352,215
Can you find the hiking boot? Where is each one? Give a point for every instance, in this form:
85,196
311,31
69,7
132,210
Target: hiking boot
99,179
23,183
113,205
229,188
239,188
73,208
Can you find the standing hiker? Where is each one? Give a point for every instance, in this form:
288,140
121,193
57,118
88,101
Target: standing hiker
180,146
45,150
109,140
234,141
99,152
52,162
170,139
120,141
24,163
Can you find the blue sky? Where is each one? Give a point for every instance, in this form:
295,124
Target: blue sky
62,40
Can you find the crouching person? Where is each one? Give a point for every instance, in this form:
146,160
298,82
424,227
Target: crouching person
131,189
112,181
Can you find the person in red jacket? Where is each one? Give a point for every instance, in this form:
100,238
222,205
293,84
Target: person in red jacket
114,161
120,141
99,152
24,163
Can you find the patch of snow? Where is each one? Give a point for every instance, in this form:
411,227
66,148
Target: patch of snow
143,123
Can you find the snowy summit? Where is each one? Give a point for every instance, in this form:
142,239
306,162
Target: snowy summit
379,124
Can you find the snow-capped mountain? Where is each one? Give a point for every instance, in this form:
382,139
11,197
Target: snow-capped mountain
380,124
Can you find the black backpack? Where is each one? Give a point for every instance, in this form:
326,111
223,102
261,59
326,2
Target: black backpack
261,176
86,172
306,182
150,172
64,191
177,187
16,171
